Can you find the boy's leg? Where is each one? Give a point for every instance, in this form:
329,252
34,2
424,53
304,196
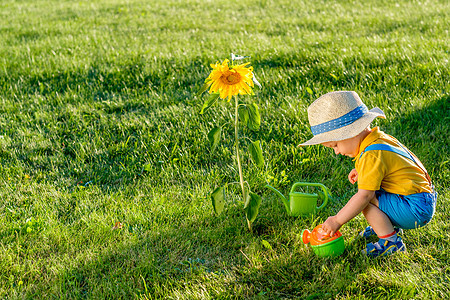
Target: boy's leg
368,231
379,221
382,225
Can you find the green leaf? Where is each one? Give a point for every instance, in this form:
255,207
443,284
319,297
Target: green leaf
266,244
147,167
208,103
305,160
202,89
214,137
218,199
253,207
243,114
309,90
334,76
254,120
256,153
246,198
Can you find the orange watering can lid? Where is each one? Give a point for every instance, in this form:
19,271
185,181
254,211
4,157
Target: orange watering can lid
318,236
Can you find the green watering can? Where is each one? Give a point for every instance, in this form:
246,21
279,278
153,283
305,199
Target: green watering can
303,203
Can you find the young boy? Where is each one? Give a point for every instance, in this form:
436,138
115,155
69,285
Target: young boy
394,189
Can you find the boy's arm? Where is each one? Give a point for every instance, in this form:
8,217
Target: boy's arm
354,206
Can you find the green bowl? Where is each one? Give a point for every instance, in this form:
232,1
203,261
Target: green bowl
334,248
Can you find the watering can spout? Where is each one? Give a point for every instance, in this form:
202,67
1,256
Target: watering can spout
283,198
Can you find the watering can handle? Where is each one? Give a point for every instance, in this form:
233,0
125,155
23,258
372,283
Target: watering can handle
325,191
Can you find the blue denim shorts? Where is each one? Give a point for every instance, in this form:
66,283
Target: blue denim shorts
407,212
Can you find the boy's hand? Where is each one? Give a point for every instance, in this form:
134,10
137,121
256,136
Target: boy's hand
353,176
331,225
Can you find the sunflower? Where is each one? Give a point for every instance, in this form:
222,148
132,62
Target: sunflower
230,81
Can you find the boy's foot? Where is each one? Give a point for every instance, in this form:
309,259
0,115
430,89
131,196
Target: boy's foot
368,232
384,247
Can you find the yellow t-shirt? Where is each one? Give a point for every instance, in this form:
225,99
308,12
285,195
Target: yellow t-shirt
388,170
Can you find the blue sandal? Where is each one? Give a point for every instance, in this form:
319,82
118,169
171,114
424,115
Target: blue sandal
368,232
384,247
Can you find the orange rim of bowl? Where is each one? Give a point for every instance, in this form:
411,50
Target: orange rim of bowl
317,241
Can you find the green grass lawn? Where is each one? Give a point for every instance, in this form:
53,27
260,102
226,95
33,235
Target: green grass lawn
99,124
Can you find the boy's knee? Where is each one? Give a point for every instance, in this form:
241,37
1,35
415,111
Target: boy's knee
368,208
373,204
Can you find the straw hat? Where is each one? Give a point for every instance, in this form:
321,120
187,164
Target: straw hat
338,116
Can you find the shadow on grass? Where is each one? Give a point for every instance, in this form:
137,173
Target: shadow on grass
425,132
208,258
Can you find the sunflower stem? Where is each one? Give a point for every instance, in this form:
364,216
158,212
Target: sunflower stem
236,136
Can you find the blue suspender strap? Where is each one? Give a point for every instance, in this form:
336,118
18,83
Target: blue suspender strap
403,152
389,148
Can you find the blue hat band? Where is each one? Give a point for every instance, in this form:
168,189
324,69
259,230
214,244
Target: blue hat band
340,122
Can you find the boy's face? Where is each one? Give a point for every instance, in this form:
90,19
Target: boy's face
348,147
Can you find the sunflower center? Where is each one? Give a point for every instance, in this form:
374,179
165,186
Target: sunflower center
231,78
